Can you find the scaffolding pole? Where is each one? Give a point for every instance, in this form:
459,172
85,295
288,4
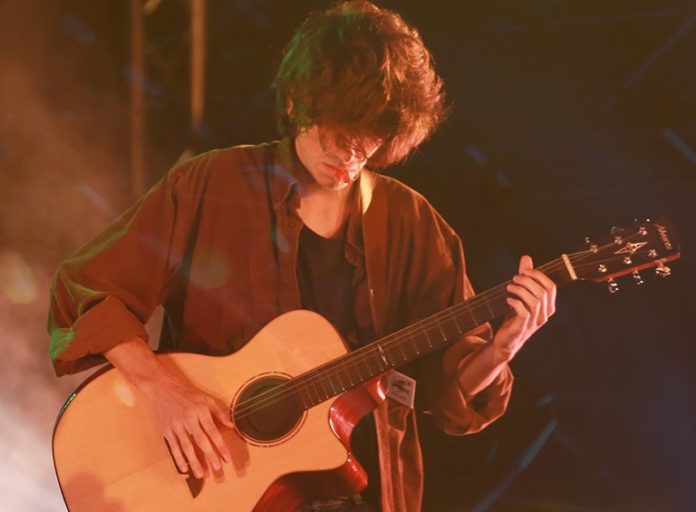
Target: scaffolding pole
137,93
198,48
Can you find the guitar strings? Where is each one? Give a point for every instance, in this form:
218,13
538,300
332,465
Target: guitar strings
357,358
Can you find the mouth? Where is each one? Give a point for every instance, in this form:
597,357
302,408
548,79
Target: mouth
339,173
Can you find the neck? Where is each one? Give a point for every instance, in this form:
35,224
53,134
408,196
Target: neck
324,211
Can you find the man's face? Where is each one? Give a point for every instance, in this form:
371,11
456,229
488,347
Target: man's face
333,160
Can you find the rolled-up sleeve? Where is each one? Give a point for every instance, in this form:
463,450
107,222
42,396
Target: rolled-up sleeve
448,284
103,293
454,413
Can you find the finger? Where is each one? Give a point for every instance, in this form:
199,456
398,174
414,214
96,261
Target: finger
175,450
530,302
214,434
189,452
526,263
193,426
221,415
522,315
549,287
541,278
528,281
526,268
530,284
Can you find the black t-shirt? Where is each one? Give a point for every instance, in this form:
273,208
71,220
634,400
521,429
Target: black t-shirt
326,280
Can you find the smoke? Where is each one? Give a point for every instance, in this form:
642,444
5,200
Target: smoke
63,175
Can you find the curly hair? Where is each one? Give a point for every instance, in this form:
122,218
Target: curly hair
362,71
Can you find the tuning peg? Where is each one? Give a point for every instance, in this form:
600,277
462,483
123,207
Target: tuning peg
637,278
617,234
613,286
663,271
590,245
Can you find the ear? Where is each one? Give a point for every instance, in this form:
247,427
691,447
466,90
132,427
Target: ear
288,107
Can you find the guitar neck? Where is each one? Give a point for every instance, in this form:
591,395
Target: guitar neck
414,341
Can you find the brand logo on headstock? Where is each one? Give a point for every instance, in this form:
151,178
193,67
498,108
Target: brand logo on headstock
631,248
662,230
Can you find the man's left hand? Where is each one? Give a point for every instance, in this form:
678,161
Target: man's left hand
532,297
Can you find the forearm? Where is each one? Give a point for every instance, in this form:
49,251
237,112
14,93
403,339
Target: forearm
185,414
139,365
480,368
469,386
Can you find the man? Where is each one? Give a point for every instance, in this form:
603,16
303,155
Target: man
233,238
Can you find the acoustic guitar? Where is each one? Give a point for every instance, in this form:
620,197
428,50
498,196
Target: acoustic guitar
294,392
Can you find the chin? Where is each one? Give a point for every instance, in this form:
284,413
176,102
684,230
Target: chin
336,186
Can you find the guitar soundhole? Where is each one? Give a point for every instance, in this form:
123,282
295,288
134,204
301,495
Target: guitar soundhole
264,415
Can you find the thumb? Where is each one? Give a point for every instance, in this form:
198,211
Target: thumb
225,419
526,263
222,415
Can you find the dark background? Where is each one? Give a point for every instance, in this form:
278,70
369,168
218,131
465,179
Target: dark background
569,118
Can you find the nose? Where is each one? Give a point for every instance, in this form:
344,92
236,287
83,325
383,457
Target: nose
343,155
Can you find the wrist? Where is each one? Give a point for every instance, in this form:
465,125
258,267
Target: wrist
500,353
140,366
152,383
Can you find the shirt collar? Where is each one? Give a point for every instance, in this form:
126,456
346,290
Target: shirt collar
284,174
285,178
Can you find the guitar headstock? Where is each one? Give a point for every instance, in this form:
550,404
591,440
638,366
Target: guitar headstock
650,243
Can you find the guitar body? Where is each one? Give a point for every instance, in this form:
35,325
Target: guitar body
110,455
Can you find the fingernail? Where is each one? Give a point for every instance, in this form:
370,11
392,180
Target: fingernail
227,457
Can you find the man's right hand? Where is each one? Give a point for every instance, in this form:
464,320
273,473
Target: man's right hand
188,417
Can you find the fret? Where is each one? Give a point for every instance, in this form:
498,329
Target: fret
483,312
308,390
391,355
427,336
471,310
454,317
403,352
358,368
439,326
353,377
371,360
488,307
343,378
331,382
321,393
383,356
412,339
322,396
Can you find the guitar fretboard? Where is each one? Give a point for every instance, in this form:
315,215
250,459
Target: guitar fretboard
409,343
